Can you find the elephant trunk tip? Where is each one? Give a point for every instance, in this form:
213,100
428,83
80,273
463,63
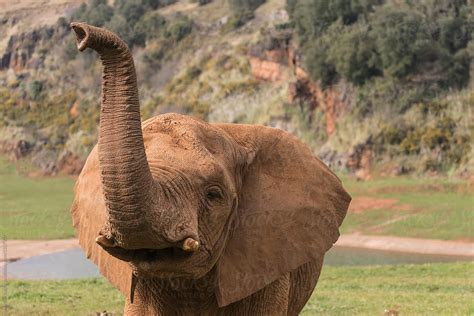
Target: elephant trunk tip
82,35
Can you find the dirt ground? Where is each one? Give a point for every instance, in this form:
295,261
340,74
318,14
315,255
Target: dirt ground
366,203
21,249
411,245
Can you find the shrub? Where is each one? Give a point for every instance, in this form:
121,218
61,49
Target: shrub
440,142
457,70
240,6
179,28
313,17
402,40
118,24
354,55
35,89
317,57
131,10
97,13
242,12
150,26
455,33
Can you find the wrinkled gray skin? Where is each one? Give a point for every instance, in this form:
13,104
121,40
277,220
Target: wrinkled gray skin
186,217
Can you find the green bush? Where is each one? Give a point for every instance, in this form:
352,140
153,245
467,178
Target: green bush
354,55
457,70
119,25
455,33
402,40
242,12
179,28
150,26
97,13
240,6
35,89
410,41
131,10
313,17
440,142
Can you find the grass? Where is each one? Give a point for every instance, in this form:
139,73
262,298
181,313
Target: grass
438,208
70,297
429,289
34,208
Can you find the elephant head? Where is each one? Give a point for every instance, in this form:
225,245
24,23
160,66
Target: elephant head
177,197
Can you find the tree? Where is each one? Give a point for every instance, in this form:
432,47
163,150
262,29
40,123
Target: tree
118,24
457,71
97,13
317,61
131,10
401,38
355,56
313,17
179,28
243,11
151,25
455,33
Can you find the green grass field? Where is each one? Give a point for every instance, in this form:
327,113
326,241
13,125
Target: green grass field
430,289
436,208
424,208
34,208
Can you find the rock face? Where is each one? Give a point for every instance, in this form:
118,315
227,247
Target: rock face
360,160
69,163
332,101
19,143
271,60
266,69
17,149
19,54
279,63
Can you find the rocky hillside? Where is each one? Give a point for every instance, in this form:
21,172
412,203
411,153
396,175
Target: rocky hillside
226,61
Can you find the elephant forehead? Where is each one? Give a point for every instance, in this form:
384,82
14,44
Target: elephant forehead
187,142
188,133
179,153
197,164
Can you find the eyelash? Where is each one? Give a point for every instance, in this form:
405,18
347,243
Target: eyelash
214,193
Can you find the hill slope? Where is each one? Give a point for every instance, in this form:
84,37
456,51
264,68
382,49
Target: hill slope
223,61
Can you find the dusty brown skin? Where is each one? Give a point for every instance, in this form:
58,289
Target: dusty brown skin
186,217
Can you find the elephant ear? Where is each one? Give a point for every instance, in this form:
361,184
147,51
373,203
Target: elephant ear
89,215
290,209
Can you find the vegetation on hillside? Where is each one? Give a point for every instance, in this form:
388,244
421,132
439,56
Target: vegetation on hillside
55,98
413,41
408,61
406,66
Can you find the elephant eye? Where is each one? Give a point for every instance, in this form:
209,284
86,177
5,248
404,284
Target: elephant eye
213,194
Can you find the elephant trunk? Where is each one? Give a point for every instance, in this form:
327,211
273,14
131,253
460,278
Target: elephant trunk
126,178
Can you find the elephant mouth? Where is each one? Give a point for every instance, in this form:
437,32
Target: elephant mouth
137,256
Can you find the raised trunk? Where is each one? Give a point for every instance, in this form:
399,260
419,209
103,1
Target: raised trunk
126,177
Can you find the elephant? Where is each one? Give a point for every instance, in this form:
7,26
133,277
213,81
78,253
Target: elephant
186,217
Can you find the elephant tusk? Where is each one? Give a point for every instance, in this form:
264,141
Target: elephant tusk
190,245
104,242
